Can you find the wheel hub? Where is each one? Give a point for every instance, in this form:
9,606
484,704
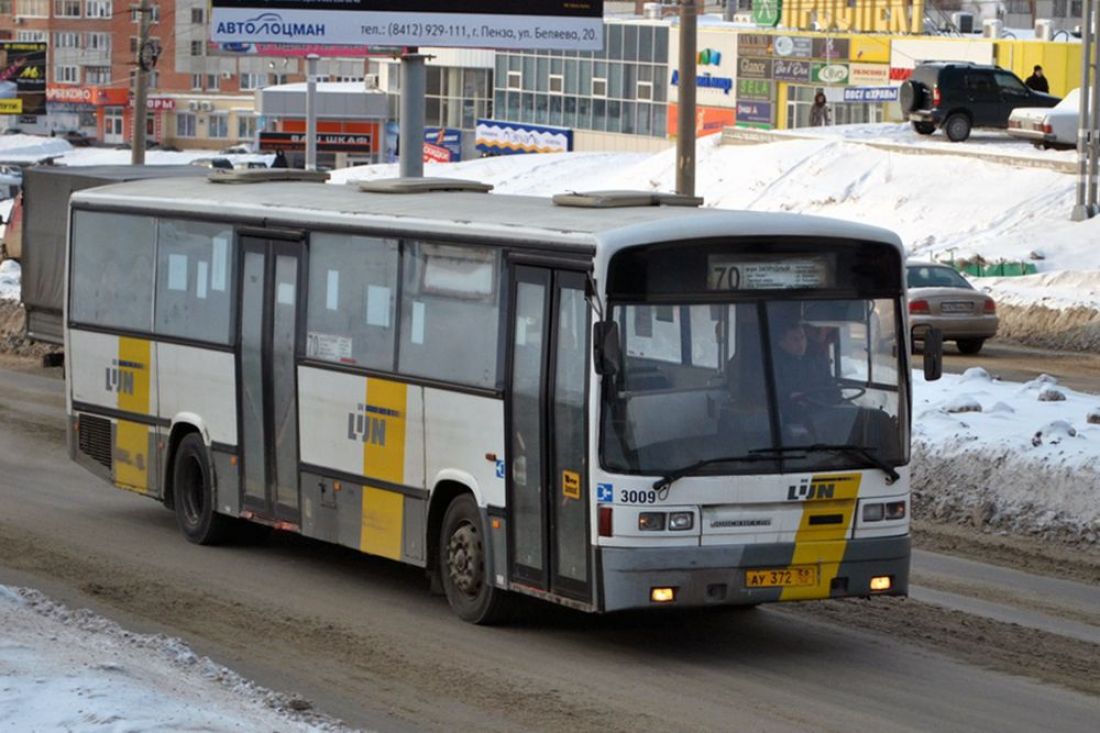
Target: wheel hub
464,559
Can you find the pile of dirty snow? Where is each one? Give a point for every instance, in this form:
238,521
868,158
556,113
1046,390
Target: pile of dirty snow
1018,457
75,670
29,148
10,273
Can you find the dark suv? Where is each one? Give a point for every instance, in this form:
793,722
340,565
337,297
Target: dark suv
958,96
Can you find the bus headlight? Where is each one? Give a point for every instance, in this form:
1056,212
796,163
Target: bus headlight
895,510
681,521
872,512
651,521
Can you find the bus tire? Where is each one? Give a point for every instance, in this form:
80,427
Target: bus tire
466,581
193,491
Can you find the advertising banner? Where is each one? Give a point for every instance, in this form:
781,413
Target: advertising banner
22,78
799,47
759,89
442,145
831,48
758,112
791,70
871,94
291,50
327,142
495,137
757,69
834,74
868,75
504,24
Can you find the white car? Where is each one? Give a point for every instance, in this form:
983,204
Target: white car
1055,127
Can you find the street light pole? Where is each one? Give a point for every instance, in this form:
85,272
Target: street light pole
685,139
311,112
145,59
1081,208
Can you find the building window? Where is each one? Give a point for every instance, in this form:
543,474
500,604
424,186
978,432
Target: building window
133,44
197,48
66,40
196,81
66,8
97,9
97,74
1075,10
645,91
185,124
197,16
31,36
557,84
246,127
97,41
5,7
33,8
252,81
154,14
213,82
599,87
515,80
66,74
218,126
277,79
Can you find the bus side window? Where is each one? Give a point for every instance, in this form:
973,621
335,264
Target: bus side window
195,280
450,313
352,300
112,270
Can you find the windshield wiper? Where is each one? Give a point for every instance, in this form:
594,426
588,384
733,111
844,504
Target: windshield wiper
663,483
858,451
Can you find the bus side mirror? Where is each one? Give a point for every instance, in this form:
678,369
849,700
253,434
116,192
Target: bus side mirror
933,354
605,347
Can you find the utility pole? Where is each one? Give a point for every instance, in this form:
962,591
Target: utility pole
685,139
311,111
146,60
1084,123
1094,104
414,82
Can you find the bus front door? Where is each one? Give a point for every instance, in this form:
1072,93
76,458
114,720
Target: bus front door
271,276
547,467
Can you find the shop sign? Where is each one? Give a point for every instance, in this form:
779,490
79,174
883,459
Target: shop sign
792,70
22,78
568,25
831,48
706,81
754,44
326,142
767,12
94,96
833,74
754,112
796,46
860,16
756,68
158,104
868,75
496,137
760,89
871,94
442,144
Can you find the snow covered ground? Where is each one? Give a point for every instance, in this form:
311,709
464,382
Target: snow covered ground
66,670
31,148
9,280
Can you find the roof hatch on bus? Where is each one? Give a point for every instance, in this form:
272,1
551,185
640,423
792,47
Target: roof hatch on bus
267,175
424,185
623,199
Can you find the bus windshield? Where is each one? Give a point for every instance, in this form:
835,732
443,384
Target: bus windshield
756,386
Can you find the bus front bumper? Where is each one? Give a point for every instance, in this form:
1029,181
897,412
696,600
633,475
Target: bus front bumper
720,575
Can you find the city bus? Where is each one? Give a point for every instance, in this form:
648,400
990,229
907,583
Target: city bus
605,400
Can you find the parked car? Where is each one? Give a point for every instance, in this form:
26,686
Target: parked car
238,149
76,138
940,297
1055,127
222,163
957,97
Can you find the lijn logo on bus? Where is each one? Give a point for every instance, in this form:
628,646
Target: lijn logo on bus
120,376
807,490
368,424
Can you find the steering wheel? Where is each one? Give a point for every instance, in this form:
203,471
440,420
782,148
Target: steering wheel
807,395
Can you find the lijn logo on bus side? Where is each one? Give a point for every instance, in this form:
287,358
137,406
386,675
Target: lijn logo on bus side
119,377
367,424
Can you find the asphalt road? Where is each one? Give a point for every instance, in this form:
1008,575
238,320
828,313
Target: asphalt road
363,640
1013,362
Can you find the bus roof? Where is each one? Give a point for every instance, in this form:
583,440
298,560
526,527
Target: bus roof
499,218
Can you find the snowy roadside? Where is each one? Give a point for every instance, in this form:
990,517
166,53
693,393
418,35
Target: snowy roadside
1005,456
62,669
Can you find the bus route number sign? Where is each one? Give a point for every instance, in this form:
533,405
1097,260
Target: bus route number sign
734,273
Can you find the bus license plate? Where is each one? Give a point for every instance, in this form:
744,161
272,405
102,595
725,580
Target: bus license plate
782,577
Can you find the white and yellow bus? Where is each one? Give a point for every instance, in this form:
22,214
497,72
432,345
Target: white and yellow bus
607,401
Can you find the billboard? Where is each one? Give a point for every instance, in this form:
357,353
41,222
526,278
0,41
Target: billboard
442,145
495,137
22,78
327,142
533,24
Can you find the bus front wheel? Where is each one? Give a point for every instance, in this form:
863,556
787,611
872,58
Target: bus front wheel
193,491
462,565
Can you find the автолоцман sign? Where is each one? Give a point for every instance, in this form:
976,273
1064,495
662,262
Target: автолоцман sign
516,24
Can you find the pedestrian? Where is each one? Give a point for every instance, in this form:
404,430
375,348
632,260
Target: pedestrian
819,112
280,159
1037,82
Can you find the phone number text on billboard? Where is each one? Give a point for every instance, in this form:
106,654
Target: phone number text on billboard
380,28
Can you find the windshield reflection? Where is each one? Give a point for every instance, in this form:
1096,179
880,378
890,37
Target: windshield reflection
701,382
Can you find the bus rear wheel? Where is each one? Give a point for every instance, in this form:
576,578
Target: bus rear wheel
462,565
193,491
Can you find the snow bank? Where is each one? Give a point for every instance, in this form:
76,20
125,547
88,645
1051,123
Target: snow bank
29,148
9,280
74,670
1013,459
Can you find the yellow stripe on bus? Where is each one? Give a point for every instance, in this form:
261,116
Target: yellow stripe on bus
384,440
824,545
382,523
131,451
